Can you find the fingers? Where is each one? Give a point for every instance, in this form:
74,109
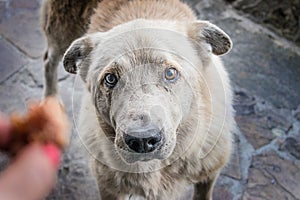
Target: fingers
5,129
32,175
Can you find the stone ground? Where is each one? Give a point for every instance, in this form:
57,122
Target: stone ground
265,71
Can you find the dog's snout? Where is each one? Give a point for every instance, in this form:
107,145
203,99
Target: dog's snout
143,141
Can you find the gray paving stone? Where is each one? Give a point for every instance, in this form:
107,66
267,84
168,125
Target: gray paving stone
23,30
256,129
11,99
272,177
280,16
36,68
292,145
259,125
222,192
297,115
264,68
227,189
2,10
243,103
233,169
17,91
28,4
11,60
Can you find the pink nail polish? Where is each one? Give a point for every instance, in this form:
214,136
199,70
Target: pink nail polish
53,154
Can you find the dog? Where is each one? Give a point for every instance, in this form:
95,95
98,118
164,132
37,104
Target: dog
157,112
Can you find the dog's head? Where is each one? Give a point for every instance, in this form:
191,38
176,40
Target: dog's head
144,78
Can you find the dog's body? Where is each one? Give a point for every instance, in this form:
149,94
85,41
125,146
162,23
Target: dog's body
62,22
157,113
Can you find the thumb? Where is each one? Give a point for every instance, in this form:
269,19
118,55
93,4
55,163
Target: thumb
32,175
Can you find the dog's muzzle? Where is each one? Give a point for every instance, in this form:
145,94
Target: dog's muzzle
143,140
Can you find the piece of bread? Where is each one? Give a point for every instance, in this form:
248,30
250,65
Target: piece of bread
45,122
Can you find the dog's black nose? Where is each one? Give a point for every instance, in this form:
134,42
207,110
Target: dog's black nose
143,141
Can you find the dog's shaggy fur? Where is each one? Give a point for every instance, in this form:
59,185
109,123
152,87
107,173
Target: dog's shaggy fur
143,43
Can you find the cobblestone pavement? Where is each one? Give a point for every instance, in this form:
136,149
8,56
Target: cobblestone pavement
265,71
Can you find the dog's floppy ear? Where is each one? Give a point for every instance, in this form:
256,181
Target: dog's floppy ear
218,40
77,56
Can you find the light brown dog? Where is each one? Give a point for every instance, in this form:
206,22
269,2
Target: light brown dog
157,113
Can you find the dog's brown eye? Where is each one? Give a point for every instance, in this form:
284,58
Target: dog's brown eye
110,80
171,74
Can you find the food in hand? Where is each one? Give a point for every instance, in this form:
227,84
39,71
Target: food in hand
45,122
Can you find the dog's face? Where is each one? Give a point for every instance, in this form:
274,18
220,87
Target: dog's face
140,101
139,76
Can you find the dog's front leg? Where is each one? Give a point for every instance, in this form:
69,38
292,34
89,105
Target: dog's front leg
51,60
203,190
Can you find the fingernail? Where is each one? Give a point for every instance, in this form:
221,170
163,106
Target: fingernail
53,154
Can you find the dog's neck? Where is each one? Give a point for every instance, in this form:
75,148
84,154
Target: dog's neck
112,13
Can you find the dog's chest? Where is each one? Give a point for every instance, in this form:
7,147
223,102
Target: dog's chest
165,182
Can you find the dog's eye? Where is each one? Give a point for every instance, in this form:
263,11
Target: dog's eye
110,80
171,74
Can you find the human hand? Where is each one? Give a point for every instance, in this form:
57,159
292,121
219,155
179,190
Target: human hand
32,174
